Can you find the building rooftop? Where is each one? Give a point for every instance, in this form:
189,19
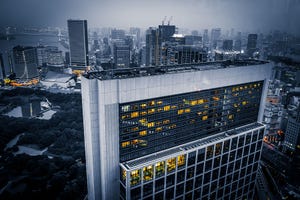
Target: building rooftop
186,147
159,70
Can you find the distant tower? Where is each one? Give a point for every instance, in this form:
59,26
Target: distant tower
251,45
78,37
25,62
227,45
215,36
122,56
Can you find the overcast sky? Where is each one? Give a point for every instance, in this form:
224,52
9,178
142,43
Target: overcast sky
244,15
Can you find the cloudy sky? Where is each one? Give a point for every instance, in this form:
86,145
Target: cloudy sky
245,15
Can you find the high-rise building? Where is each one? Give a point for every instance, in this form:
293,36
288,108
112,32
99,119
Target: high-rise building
215,36
292,135
78,37
152,47
183,54
205,37
122,56
117,34
25,62
251,44
228,45
189,132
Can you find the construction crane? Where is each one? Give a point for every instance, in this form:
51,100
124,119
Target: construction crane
170,19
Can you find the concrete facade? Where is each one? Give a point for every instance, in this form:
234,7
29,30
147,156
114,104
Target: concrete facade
101,99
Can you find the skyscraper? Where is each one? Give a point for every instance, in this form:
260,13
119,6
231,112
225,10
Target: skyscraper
121,56
25,62
251,44
78,37
228,45
187,132
215,36
152,47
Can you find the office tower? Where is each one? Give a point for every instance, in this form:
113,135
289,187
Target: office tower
227,45
78,37
292,135
117,34
193,40
186,131
195,33
55,60
205,37
41,55
25,62
215,36
251,44
237,45
2,72
166,32
152,47
121,56
183,54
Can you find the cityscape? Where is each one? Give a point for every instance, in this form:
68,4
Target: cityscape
150,100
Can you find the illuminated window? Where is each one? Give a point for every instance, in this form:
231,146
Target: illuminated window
160,168
158,123
151,103
125,108
216,98
205,117
235,105
144,113
148,173
192,121
173,107
143,106
171,164
135,177
135,129
123,175
150,124
179,112
218,149
143,133
206,106
244,103
187,110
143,122
134,114
159,109
230,116
167,108
151,111
125,116
158,129
181,160
166,121
200,101
159,102
194,102
125,144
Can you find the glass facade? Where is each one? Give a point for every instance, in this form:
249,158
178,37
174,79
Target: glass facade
218,170
154,125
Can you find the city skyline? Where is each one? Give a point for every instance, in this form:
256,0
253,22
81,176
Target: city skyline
254,16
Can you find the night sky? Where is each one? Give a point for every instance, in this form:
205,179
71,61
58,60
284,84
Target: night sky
244,15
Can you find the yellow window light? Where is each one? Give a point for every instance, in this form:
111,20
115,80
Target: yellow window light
134,114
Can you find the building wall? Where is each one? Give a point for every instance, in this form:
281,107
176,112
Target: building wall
221,169
100,113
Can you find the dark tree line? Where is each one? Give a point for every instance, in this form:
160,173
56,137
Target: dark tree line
60,173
